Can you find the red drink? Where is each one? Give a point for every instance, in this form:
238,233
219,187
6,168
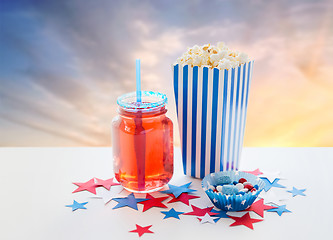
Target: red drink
142,138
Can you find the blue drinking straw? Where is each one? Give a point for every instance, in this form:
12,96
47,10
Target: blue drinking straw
138,81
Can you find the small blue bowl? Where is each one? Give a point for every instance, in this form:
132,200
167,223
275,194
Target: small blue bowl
234,202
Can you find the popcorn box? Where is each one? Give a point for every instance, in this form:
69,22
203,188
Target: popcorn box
211,111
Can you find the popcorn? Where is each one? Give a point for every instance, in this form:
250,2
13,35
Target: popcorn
219,56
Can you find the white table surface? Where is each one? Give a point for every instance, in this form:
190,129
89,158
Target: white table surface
37,184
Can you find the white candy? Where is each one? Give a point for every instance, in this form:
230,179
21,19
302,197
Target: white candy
219,188
240,186
244,190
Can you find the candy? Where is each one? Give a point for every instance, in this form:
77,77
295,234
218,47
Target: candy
242,180
223,180
239,186
244,190
248,186
219,188
253,190
234,182
229,189
211,187
256,186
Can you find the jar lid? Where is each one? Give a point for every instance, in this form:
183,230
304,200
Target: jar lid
149,101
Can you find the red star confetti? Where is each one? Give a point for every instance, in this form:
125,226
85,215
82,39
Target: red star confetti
245,220
89,186
106,183
255,172
142,230
184,198
259,207
153,202
200,212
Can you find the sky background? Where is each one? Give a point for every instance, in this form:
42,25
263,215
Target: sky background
64,63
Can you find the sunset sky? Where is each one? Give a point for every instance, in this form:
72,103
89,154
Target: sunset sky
64,63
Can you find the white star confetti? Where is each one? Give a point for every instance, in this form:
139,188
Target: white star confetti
108,195
207,219
271,176
273,196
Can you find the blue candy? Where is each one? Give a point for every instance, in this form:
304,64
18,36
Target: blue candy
234,182
223,180
256,186
229,189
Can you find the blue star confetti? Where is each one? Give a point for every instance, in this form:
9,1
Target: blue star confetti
279,209
177,190
269,185
221,214
296,192
171,213
75,206
129,201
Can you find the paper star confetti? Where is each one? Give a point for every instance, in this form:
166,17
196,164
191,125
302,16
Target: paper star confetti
141,230
177,190
171,213
255,172
106,195
245,220
153,202
206,219
200,211
129,201
106,183
89,186
184,198
296,192
271,176
220,214
259,207
279,210
272,197
75,206
269,185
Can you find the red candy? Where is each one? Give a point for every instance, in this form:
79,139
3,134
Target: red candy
215,191
253,190
248,186
242,180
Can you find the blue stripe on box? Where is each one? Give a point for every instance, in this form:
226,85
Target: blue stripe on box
236,115
230,114
194,119
185,90
175,84
247,89
214,119
242,106
204,120
225,94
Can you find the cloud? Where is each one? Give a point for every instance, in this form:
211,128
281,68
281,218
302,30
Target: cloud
66,62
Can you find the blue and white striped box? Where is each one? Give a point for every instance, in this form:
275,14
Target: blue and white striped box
211,110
